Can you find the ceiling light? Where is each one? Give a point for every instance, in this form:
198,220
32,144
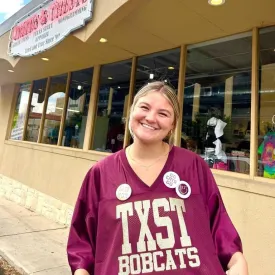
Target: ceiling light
165,80
103,40
79,87
171,68
216,2
151,76
110,78
45,59
11,71
118,87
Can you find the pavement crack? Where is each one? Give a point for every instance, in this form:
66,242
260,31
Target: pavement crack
46,269
19,217
34,231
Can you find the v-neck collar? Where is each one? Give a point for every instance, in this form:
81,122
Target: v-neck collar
136,178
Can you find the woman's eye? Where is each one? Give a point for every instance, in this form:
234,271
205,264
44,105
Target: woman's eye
163,114
144,107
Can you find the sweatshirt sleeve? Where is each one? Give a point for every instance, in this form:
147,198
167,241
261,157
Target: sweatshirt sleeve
82,236
225,236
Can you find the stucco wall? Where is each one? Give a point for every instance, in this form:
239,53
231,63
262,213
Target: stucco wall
253,213
6,105
57,172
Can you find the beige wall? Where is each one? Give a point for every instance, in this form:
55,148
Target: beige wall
251,206
6,106
58,172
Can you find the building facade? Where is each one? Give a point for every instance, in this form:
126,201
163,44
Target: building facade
66,93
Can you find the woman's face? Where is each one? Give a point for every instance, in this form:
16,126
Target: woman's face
152,118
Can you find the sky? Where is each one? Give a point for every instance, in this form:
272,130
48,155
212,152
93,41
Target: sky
9,7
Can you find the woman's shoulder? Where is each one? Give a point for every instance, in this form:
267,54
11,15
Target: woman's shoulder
182,152
102,169
108,162
188,158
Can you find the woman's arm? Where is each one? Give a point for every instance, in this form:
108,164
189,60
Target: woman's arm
82,237
81,272
225,236
237,265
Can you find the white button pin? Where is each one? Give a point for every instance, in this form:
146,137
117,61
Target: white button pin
171,179
183,189
124,192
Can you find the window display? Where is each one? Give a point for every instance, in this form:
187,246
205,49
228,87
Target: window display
54,110
266,137
112,107
20,112
36,109
217,99
214,154
77,110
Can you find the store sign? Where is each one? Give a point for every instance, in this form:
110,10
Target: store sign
48,25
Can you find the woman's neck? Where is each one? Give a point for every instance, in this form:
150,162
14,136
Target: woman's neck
144,151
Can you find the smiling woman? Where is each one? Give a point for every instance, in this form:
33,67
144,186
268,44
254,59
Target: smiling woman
155,108
154,178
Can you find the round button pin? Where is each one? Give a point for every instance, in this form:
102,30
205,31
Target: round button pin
123,192
171,179
183,189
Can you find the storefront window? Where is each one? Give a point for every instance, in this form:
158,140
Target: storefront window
217,102
266,129
77,111
162,66
112,106
20,112
54,110
36,109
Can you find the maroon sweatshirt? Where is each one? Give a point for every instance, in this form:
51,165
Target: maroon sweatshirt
154,231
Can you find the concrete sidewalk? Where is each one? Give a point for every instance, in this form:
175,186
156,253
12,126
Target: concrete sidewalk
32,243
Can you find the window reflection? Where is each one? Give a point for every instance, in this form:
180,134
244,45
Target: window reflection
78,105
217,99
20,112
111,108
36,109
54,110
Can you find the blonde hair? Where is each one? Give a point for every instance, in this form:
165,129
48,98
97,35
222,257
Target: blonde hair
171,96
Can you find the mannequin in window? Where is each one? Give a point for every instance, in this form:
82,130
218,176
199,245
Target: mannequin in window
214,155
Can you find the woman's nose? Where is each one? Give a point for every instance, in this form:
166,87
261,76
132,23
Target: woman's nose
151,117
